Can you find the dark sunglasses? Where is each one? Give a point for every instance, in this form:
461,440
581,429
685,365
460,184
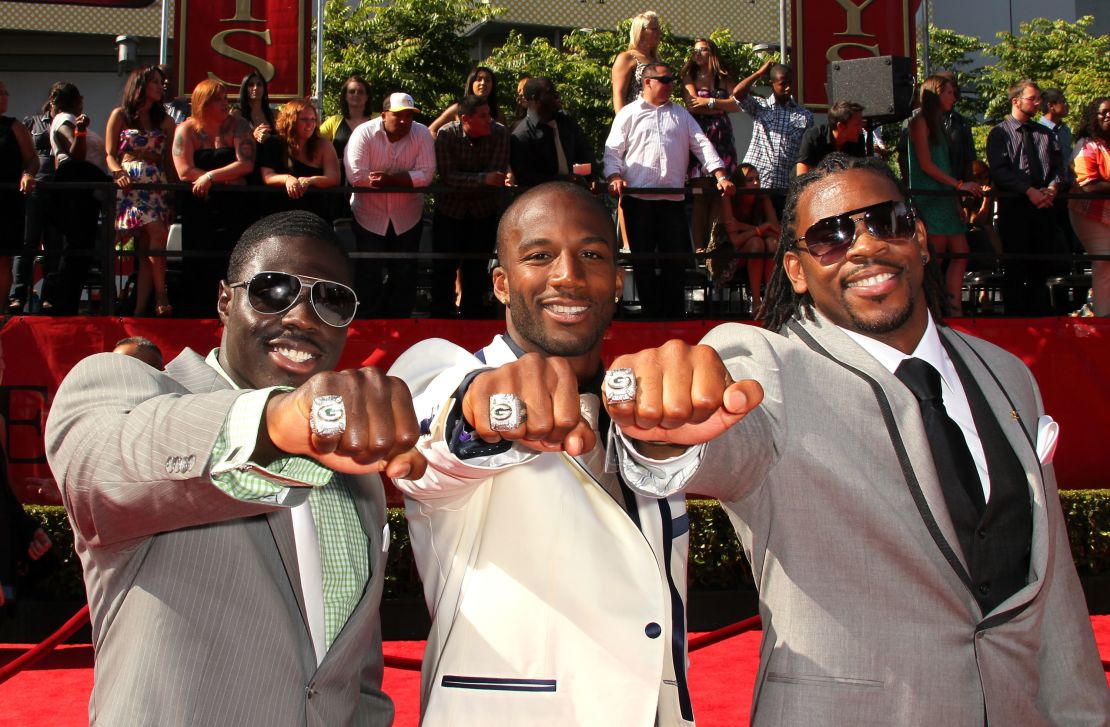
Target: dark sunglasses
272,293
829,239
661,79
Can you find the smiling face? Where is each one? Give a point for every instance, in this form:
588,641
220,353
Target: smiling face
559,277
397,124
306,123
877,289
356,97
282,349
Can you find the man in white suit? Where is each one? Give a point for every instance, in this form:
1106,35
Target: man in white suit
557,595
894,491
228,513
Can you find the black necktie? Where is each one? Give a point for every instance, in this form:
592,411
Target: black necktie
951,456
1032,157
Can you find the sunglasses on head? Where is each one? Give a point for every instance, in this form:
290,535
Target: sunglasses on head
271,293
829,239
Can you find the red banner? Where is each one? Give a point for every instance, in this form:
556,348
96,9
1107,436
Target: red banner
93,3
1070,358
224,40
825,31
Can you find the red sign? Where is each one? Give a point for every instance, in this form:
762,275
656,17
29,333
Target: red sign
825,31
94,3
224,40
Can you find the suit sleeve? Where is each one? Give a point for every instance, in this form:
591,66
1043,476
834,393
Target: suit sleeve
435,371
735,463
130,449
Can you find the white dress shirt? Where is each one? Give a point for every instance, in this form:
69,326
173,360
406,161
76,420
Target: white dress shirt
930,349
370,150
650,146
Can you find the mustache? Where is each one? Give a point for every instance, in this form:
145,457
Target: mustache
868,263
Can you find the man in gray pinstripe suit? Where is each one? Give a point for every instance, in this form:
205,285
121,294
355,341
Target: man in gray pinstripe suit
234,555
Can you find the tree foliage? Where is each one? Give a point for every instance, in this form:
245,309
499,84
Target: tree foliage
1055,54
415,46
952,51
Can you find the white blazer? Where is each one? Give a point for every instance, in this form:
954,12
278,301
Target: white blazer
551,603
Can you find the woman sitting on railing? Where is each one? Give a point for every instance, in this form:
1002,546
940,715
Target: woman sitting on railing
748,224
137,144
212,146
302,161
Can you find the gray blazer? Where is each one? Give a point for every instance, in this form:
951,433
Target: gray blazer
197,612
865,620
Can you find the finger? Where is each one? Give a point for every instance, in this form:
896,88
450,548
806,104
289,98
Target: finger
707,388
566,404
406,428
649,394
581,439
371,430
675,395
408,465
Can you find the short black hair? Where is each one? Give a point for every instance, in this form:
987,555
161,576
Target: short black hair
779,70
1050,96
139,341
471,103
590,201
291,223
534,86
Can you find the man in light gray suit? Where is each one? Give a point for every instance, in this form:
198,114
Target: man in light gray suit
228,512
909,548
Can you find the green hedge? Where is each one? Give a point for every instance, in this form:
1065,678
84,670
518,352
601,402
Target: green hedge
716,559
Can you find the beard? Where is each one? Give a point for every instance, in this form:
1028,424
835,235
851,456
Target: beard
528,322
888,322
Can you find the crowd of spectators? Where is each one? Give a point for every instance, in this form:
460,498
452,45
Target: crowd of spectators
671,129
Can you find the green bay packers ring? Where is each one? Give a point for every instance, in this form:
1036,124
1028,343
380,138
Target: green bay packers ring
506,412
620,385
328,416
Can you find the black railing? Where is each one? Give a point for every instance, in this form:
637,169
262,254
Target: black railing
106,254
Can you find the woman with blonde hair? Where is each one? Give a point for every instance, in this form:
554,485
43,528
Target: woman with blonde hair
930,168
303,160
643,49
137,143
213,146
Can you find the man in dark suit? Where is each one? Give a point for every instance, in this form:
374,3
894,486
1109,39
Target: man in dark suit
549,145
228,513
894,490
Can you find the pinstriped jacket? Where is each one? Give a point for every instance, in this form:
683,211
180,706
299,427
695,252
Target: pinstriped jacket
557,596
197,612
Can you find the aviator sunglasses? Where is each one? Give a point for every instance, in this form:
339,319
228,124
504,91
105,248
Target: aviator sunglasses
271,293
829,239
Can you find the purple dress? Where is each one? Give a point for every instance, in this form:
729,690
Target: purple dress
718,129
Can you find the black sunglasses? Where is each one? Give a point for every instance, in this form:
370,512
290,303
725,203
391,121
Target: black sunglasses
661,79
829,239
273,292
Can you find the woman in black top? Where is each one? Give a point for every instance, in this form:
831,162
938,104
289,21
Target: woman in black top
302,161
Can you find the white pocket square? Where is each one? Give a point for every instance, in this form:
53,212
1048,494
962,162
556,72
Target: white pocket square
1048,433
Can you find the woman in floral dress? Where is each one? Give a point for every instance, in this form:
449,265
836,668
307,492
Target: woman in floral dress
138,152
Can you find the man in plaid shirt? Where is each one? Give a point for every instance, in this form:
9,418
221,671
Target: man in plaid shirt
779,124
472,156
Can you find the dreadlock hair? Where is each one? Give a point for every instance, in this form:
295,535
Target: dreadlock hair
781,303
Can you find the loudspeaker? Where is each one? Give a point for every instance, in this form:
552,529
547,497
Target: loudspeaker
884,85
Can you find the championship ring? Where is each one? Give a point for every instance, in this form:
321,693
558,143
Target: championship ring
506,412
620,385
328,417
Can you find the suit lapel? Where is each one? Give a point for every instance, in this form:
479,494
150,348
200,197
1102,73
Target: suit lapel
1018,437
907,436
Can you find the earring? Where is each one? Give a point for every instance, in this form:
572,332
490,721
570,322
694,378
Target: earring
616,299
924,259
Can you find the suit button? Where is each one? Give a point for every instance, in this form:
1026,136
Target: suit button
653,630
985,588
309,692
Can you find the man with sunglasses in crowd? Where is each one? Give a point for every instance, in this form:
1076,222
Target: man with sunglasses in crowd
894,490
649,145
228,512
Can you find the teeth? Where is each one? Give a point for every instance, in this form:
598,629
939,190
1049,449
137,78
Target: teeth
873,280
567,309
294,355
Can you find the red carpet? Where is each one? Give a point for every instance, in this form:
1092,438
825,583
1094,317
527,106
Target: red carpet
55,691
